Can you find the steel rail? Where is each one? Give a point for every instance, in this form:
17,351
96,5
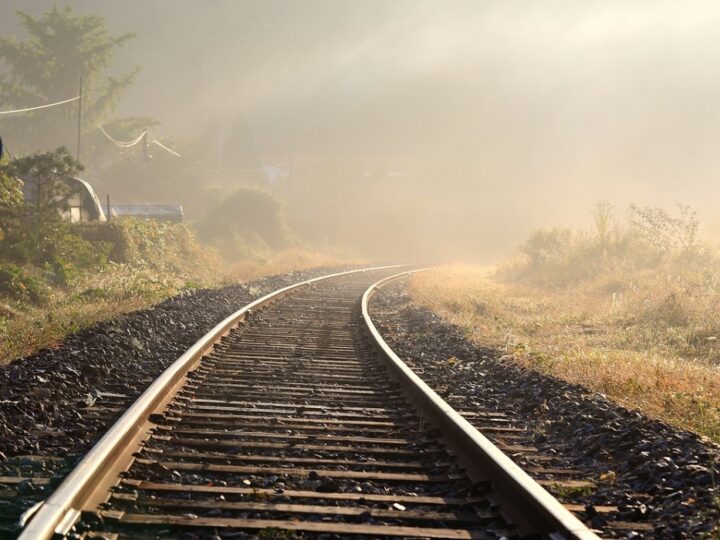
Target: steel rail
110,455
527,503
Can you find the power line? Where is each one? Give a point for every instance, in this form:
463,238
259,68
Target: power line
41,106
116,142
161,145
123,144
264,168
136,140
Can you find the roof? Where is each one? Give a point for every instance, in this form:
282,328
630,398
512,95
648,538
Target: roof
94,201
147,210
90,200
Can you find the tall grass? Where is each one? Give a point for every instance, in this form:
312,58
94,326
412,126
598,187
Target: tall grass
631,310
652,238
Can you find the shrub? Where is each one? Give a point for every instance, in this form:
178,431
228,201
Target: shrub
154,245
36,234
248,218
18,285
11,201
564,257
45,240
665,232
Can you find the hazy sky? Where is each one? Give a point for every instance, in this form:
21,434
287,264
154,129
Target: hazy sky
523,112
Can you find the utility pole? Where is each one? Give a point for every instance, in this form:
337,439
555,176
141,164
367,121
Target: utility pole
79,126
146,147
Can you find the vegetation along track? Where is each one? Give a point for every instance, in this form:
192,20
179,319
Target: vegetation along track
300,421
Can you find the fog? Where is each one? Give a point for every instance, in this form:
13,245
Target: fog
476,121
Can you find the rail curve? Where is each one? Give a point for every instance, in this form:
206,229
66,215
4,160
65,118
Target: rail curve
301,419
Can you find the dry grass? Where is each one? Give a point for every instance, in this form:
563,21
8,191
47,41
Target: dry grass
273,263
119,289
94,297
648,340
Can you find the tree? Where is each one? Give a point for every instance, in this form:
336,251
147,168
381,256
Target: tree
47,171
62,48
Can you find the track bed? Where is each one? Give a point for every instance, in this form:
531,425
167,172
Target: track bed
292,424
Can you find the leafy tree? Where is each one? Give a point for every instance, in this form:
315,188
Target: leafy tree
62,48
47,171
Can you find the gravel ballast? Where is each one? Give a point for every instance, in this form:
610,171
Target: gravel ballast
41,396
655,474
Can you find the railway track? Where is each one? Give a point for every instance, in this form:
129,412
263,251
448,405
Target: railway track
293,417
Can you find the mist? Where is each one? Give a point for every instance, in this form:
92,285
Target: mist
435,129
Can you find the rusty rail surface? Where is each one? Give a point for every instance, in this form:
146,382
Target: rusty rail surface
299,421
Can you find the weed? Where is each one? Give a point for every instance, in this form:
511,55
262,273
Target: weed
569,491
93,293
261,495
273,533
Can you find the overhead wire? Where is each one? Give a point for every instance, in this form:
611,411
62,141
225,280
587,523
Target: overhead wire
271,166
41,106
136,140
116,142
123,144
161,145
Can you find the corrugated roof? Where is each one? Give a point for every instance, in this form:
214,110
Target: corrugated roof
146,209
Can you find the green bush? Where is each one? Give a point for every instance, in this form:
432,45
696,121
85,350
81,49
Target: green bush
156,245
11,201
18,285
45,240
35,234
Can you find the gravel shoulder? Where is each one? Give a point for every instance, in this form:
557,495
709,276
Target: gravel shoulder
655,474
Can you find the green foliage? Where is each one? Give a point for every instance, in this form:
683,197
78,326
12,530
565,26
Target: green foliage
273,533
55,245
36,234
15,283
153,242
11,200
10,191
571,492
247,218
62,48
48,170
162,247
